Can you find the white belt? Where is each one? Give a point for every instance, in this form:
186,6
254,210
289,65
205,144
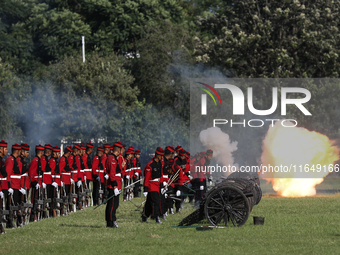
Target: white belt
66,173
55,176
118,175
100,171
23,175
74,172
47,173
165,176
82,171
3,179
87,170
40,176
154,180
16,176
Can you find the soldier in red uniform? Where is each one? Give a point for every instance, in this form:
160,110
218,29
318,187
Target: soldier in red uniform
3,173
174,189
166,202
88,163
47,178
79,175
114,185
128,174
153,182
56,178
98,174
203,161
14,172
137,173
35,174
65,171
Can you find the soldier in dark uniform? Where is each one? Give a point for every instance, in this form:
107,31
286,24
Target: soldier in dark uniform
153,182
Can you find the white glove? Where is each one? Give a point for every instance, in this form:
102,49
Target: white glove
54,184
62,184
22,191
1,194
210,183
163,191
128,177
165,195
137,174
44,185
145,194
116,191
37,186
106,176
72,181
202,187
79,183
178,193
165,184
10,191
190,177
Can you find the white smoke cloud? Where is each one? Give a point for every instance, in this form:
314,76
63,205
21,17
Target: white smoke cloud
213,138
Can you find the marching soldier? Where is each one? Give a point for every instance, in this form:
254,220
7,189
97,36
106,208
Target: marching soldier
153,182
98,174
35,174
114,185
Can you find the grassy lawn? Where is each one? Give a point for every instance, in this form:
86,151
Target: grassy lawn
292,226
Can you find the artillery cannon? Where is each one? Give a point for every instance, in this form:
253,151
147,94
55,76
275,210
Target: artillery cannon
231,200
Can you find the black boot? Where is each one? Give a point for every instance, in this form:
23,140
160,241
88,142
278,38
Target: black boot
109,224
144,219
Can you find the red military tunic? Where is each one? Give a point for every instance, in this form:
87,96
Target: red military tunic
55,171
114,172
98,168
25,182
153,176
73,165
88,167
36,170
14,171
65,170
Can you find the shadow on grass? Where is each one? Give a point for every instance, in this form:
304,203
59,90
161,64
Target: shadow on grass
80,226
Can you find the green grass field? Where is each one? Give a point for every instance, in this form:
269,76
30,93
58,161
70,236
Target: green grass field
292,226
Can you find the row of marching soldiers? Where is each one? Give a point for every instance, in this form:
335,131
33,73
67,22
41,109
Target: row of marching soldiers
171,177
60,185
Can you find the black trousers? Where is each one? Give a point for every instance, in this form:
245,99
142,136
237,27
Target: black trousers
136,188
95,193
196,186
178,200
16,197
162,202
152,204
111,207
170,202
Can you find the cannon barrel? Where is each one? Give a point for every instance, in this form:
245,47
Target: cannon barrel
230,200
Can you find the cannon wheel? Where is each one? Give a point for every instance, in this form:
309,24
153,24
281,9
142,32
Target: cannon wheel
228,204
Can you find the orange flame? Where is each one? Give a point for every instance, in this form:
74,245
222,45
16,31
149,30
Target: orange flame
306,154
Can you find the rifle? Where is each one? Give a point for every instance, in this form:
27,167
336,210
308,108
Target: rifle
81,196
72,194
24,204
87,191
13,210
45,201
